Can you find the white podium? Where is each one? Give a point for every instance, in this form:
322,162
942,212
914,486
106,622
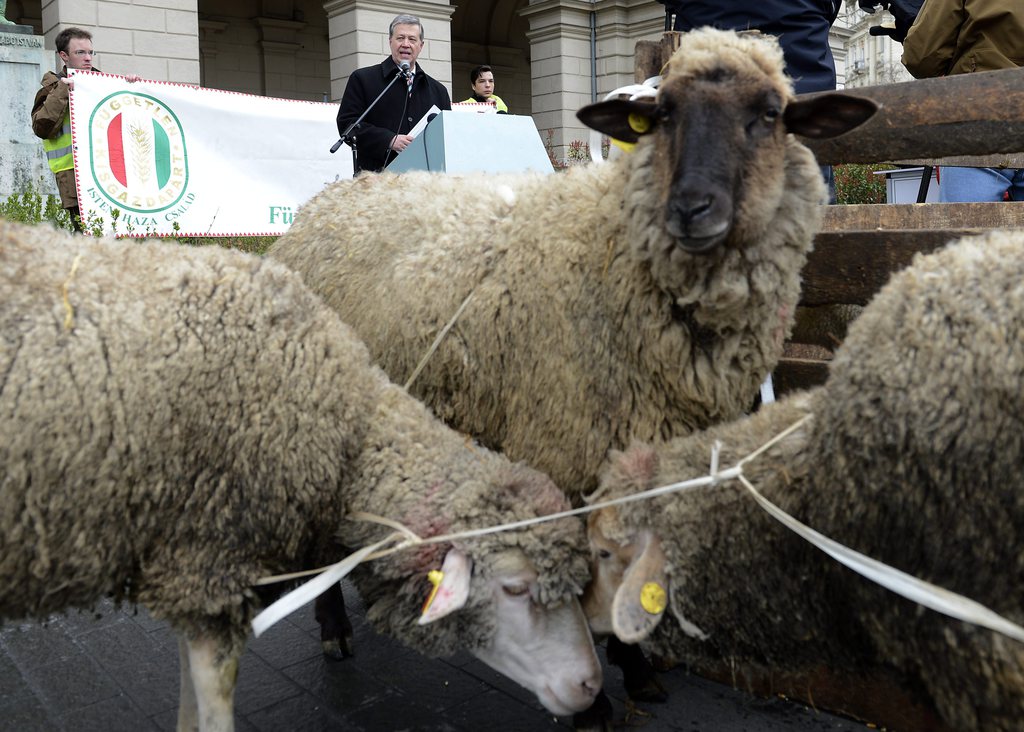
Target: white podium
459,142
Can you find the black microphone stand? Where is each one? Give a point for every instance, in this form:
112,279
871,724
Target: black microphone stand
347,135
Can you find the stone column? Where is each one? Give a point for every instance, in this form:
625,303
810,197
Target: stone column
358,31
563,63
23,61
158,40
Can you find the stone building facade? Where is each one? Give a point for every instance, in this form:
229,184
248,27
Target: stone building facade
550,57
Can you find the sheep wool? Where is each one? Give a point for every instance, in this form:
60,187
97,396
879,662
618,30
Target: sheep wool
914,457
586,325
177,422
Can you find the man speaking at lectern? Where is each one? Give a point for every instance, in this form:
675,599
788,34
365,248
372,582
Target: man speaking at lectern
383,132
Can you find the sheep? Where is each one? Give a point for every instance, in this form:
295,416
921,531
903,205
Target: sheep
642,299
176,423
913,455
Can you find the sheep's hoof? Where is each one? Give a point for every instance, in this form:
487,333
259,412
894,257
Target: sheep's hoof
337,649
596,719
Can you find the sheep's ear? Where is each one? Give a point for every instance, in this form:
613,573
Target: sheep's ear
620,119
828,115
452,589
642,597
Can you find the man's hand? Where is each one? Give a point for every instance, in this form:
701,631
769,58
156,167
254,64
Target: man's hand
903,12
132,78
69,81
400,142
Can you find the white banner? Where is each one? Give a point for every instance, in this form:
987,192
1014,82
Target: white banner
153,154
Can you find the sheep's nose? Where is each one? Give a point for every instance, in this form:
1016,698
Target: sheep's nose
592,684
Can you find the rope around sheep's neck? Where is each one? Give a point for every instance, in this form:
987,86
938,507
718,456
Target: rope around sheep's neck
914,589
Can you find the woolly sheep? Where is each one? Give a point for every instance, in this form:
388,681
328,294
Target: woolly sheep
913,456
644,298
176,423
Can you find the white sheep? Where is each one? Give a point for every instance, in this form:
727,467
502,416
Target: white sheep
641,299
177,423
913,455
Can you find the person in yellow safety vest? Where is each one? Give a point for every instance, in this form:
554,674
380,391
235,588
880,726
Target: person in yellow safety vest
51,118
481,79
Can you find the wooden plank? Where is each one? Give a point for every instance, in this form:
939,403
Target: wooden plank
967,114
1003,160
874,217
792,374
851,266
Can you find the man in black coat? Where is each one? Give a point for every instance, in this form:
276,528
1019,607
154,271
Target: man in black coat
384,132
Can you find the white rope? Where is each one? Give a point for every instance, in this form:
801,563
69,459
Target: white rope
919,591
914,589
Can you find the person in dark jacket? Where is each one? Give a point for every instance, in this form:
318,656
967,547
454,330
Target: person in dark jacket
384,131
801,26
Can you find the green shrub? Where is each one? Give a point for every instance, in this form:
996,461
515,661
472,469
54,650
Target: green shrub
857,183
32,207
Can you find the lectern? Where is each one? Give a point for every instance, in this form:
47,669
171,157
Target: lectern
461,142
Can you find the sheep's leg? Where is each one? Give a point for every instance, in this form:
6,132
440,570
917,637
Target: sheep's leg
209,668
335,627
188,714
638,675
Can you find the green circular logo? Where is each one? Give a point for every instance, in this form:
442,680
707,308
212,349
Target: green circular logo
137,146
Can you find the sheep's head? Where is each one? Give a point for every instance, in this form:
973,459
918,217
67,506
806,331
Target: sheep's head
716,135
511,597
644,554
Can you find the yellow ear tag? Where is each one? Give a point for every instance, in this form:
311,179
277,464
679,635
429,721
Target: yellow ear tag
639,123
653,598
435,576
627,146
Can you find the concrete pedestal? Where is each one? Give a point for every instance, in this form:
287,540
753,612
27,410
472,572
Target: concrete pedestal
23,61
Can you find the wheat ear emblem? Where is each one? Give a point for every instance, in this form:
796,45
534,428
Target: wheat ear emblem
142,147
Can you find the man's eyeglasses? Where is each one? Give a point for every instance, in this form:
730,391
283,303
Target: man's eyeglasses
83,53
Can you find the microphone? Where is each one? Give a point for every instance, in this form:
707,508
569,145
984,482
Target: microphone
405,70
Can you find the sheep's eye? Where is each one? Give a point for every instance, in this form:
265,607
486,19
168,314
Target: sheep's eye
772,114
663,114
603,554
517,590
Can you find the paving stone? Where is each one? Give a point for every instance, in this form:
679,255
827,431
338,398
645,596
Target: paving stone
109,715
493,711
71,683
435,685
285,644
302,713
401,714
141,667
23,711
260,685
342,686
32,644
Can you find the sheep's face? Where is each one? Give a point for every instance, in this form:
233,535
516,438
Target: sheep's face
715,141
547,649
628,590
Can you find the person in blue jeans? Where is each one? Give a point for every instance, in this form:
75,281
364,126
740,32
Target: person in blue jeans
801,26
961,37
